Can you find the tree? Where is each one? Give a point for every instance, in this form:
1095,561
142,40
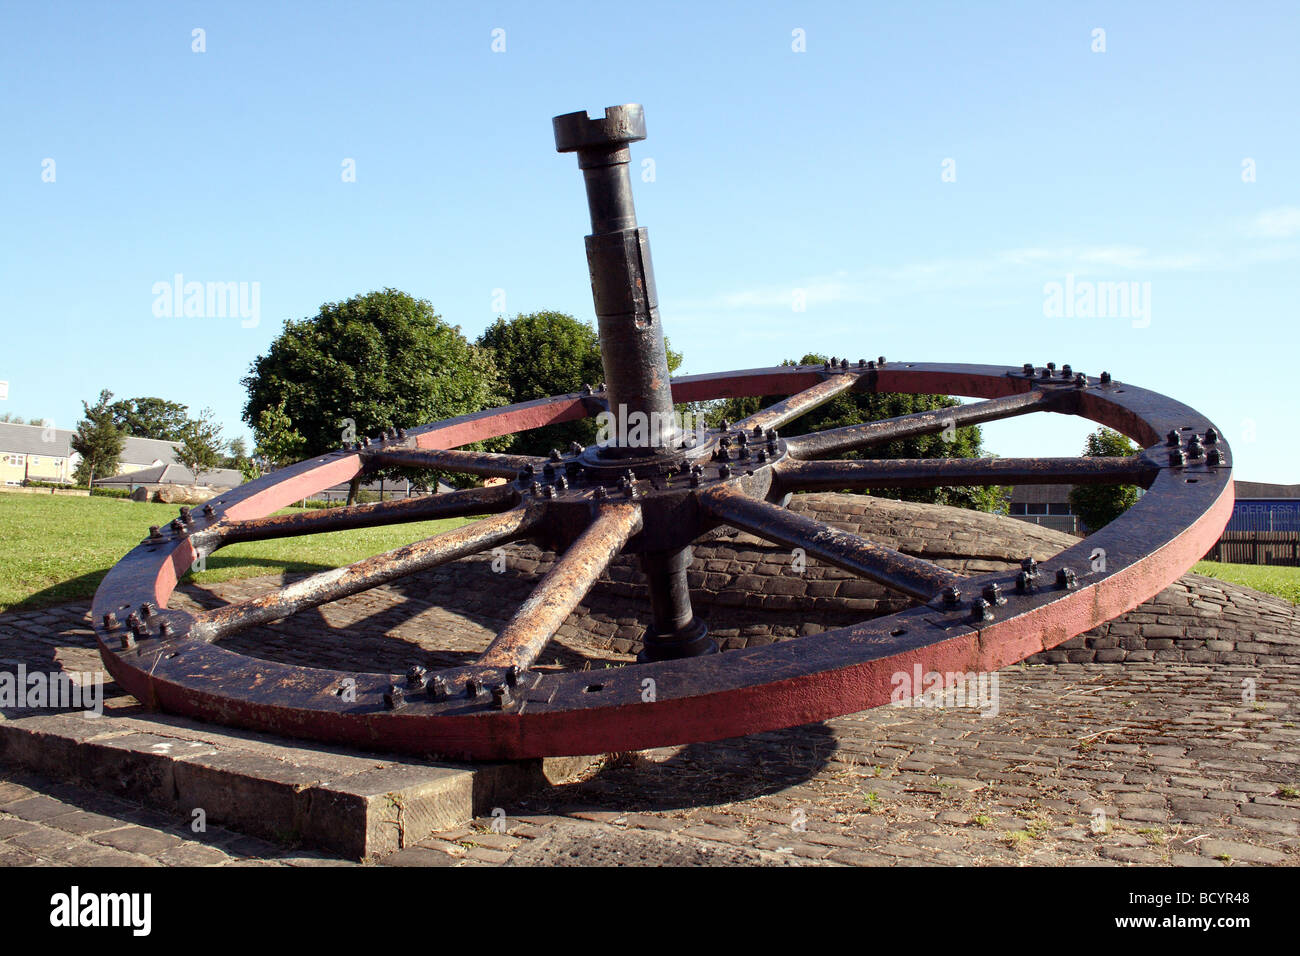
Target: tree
857,407
151,418
380,360
11,419
278,443
98,441
1098,505
543,354
200,445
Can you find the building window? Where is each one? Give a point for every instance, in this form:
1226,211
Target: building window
1058,509
1017,507
15,460
1036,509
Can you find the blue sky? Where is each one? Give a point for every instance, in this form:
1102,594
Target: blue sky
776,173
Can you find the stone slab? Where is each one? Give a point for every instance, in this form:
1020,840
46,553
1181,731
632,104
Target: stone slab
358,804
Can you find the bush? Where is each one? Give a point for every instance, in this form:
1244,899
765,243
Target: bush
110,493
32,483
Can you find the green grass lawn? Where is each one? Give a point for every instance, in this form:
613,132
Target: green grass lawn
55,549
1284,582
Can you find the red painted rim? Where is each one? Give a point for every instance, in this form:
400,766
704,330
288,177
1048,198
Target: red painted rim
800,680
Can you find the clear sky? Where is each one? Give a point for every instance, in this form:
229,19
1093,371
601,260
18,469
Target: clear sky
920,173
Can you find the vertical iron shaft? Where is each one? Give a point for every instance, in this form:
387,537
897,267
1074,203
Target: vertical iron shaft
622,282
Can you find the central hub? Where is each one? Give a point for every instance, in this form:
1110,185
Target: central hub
700,459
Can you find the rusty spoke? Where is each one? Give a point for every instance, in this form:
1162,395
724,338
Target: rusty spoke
563,588
798,404
915,577
794,475
454,504
487,464
838,440
371,572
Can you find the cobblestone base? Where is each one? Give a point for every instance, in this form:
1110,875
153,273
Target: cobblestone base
1141,763
1161,759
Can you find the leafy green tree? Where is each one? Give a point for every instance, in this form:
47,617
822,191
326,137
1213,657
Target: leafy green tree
98,440
1098,505
151,417
857,407
376,361
543,354
278,442
200,445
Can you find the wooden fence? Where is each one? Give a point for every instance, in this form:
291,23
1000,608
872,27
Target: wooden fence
1257,547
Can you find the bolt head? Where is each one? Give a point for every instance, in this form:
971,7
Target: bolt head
951,596
394,697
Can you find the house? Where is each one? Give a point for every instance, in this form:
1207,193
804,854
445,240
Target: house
155,476
1047,505
40,453
35,453
1261,506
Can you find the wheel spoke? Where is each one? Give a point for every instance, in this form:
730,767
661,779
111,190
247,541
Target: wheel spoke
837,440
916,577
563,588
796,475
373,571
453,504
484,463
800,403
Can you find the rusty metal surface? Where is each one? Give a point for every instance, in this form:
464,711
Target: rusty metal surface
326,586
795,475
912,576
653,496
453,504
800,403
839,440
486,464
713,696
562,588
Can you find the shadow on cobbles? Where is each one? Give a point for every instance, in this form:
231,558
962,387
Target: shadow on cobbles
705,774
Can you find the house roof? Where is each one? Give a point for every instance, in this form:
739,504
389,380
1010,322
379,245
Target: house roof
1247,490
57,443
173,475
